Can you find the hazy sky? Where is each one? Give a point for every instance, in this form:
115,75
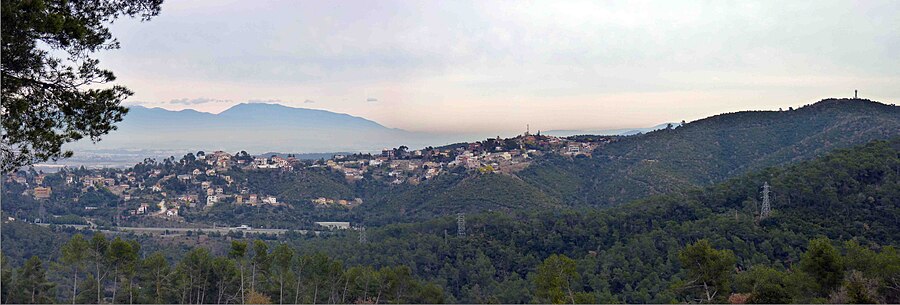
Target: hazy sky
496,66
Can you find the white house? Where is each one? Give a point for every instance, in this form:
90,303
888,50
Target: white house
340,225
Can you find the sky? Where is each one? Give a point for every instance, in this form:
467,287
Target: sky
486,66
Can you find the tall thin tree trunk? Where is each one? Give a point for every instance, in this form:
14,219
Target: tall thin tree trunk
243,300
157,298
297,291
366,291
74,285
99,288
253,279
115,283
344,294
316,294
131,291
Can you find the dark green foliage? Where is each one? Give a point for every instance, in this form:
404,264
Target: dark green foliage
630,253
5,279
765,285
708,271
450,195
156,280
712,150
49,101
201,277
823,262
31,284
553,280
623,254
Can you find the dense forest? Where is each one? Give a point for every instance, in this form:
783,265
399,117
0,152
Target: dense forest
822,242
629,253
100,270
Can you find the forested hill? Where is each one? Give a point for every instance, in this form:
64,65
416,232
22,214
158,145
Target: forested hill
630,253
713,149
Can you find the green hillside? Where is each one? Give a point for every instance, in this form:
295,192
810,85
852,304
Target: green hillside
454,193
713,149
629,253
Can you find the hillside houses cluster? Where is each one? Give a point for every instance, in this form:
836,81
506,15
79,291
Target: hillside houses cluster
200,181
400,165
151,188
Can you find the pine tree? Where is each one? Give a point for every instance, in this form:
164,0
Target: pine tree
238,252
823,262
554,279
32,285
708,270
155,278
74,254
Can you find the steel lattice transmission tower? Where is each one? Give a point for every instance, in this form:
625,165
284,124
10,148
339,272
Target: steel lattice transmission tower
767,202
461,224
362,235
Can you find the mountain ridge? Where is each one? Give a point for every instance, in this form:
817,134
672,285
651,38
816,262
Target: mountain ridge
254,127
712,149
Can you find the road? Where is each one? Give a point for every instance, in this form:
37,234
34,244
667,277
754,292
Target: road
222,230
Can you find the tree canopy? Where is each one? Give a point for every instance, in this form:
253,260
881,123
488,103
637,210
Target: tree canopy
50,83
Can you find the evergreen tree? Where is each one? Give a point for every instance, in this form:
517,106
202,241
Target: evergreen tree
98,259
49,101
238,252
155,278
260,264
554,279
282,258
765,286
6,279
122,257
74,255
32,285
823,262
708,270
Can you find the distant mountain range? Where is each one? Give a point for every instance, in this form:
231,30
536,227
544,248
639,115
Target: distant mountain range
260,128
254,127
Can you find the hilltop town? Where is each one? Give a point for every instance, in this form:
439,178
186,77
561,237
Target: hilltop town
164,189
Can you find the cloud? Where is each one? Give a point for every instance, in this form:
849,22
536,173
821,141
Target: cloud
134,103
197,101
371,99
309,101
270,101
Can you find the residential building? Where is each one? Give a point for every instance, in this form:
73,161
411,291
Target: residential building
42,192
